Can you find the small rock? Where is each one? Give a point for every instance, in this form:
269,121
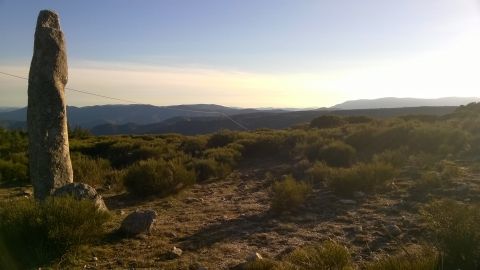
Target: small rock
27,193
462,188
254,257
171,234
95,259
175,253
140,221
348,202
393,230
359,194
81,191
121,212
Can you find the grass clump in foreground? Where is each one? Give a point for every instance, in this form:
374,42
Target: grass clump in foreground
329,255
456,231
289,194
426,259
35,233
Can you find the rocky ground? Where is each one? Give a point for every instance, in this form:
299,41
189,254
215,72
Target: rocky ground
218,224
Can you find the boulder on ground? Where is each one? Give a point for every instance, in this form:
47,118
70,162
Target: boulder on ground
140,221
81,191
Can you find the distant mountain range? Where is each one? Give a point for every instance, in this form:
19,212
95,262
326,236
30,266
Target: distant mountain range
206,118
391,102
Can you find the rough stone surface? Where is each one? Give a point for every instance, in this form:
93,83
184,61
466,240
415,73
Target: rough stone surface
140,221
49,157
81,191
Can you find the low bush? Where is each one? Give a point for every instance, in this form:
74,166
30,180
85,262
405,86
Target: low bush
220,139
336,153
157,177
34,233
12,171
91,171
289,194
327,121
209,168
425,259
319,172
456,233
224,155
366,177
329,255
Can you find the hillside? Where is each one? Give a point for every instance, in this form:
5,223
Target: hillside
391,102
121,119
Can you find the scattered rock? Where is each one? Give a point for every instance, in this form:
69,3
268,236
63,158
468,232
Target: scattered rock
359,194
254,257
81,191
175,253
393,230
140,221
347,202
121,212
27,193
171,234
462,188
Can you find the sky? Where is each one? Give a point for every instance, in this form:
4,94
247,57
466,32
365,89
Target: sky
250,53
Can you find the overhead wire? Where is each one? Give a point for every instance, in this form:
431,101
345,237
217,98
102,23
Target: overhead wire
138,103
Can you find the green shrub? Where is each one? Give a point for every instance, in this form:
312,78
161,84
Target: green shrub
428,181
92,171
337,154
34,233
223,155
209,168
358,119
457,233
220,139
425,259
329,255
327,121
157,177
319,172
366,177
289,194
11,171
193,146
396,158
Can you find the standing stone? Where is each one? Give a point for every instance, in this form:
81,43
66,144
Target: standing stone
49,157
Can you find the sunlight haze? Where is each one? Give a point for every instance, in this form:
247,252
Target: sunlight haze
249,54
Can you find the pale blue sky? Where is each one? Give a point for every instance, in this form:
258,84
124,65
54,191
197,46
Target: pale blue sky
252,53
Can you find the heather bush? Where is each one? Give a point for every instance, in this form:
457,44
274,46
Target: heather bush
224,155
327,121
91,171
289,194
329,255
425,259
456,233
209,168
366,177
335,153
319,172
33,233
157,177
13,172
220,139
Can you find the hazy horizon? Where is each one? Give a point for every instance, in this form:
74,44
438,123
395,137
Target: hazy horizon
249,54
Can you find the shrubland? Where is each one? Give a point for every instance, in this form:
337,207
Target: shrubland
341,154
